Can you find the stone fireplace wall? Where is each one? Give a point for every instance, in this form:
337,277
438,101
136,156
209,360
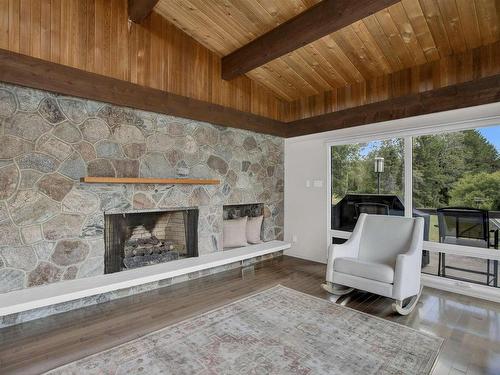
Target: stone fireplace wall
51,225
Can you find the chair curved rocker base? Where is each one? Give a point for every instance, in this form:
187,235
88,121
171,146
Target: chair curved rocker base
398,307
338,290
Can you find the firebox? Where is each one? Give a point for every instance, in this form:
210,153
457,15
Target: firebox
138,239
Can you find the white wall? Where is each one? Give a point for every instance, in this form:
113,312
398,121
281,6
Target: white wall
305,207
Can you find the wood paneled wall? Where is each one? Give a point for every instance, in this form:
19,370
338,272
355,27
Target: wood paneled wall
471,65
95,35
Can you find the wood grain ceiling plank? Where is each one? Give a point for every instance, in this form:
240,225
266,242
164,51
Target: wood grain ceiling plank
453,25
398,44
282,11
488,14
268,79
436,25
314,59
284,70
408,34
422,31
306,71
333,54
470,23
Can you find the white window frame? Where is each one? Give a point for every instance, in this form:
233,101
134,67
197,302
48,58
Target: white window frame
370,133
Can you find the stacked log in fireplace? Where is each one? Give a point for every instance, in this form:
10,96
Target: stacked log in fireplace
150,250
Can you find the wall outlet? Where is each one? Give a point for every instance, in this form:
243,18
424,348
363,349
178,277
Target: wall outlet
294,238
308,183
318,183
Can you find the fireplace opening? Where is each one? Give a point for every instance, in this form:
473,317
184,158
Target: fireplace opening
139,239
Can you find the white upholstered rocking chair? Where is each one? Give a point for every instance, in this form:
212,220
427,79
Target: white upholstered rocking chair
382,256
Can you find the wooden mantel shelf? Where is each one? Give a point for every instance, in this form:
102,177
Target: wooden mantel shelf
132,180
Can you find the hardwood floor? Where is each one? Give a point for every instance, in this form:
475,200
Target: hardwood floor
470,326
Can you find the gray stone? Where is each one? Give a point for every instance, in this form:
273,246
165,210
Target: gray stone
96,247
182,169
67,132
250,143
199,197
126,168
29,99
91,267
49,144
30,207
79,201
29,178
86,150
13,146
20,257
37,161
9,178
4,214
125,134
107,149
55,186
69,252
114,200
134,150
7,103
206,135
63,226
31,234
155,165
245,165
11,280
49,110
44,273
101,168
174,156
94,226
9,234
74,167
95,129
116,116
217,164
74,109
160,143
187,144
142,201
70,273
27,126
43,249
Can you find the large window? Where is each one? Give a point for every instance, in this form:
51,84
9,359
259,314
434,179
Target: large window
452,180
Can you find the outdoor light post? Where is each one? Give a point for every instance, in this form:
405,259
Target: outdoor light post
379,168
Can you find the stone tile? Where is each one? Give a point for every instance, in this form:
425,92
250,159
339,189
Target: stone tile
126,134
9,178
199,197
116,116
9,233
95,129
31,234
142,201
19,257
155,165
63,226
49,144
4,214
134,150
29,178
68,252
174,156
74,167
92,267
101,168
8,103
96,247
37,161
70,273
80,201
55,186
29,99
67,132
217,164
206,135
30,207
107,149
43,249
160,142
26,126
50,111
11,280
74,109
94,226
86,151
126,168
44,273
250,143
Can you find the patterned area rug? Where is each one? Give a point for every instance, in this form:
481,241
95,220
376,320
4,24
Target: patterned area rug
277,331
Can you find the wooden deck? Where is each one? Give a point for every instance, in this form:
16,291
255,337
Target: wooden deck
470,326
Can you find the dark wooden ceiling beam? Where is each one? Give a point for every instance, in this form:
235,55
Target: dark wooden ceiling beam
322,19
138,10
468,94
44,75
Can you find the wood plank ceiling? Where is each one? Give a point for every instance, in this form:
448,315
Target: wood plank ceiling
409,33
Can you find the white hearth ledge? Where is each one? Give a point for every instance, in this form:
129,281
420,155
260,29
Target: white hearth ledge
51,294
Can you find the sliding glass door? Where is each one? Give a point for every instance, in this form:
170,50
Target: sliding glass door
451,179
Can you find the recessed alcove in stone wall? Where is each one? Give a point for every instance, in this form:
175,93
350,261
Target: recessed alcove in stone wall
51,225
